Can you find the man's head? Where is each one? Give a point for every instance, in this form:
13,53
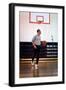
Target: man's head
38,31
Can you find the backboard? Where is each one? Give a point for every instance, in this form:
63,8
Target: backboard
39,18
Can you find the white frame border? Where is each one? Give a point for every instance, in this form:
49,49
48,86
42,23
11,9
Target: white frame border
40,79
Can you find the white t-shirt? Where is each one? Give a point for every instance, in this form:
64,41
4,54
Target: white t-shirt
37,40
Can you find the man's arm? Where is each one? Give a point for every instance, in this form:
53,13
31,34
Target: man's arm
34,45
33,42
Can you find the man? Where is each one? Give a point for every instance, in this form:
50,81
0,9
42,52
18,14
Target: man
36,42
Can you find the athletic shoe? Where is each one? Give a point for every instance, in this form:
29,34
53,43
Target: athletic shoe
36,66
32,63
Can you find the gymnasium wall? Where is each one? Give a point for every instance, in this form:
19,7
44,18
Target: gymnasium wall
28,30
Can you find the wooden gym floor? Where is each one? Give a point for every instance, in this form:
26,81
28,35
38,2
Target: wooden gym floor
47,67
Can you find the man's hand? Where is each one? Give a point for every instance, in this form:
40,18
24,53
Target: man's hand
35,46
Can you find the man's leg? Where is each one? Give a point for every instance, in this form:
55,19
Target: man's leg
37,58
34,54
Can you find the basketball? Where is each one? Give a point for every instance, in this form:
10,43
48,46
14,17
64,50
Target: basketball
44,43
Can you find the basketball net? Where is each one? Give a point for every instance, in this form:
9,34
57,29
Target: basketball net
39,22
